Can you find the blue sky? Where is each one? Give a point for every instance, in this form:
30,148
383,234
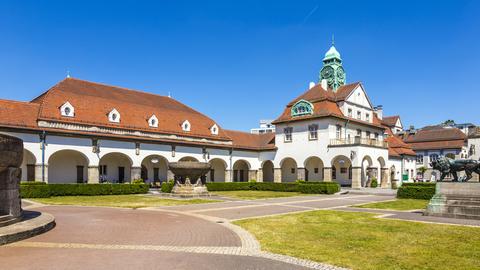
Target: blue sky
241,61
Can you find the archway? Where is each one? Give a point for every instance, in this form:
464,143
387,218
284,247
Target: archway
154,169
367,171
67,166
313,169
240,171
382,172
115,168
217,171
342,170
267,171
289,170
28,166
188,159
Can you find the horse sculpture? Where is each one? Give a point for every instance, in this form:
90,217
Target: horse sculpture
447,165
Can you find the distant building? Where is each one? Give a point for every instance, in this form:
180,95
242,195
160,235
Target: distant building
466,127
393,122
265,127
474,146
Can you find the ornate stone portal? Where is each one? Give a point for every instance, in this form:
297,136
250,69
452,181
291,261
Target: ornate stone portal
11,156
189,178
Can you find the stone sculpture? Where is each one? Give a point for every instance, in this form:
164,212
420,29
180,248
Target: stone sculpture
189,178
11,156
447,165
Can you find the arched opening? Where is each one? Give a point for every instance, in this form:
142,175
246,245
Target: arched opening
154,169
368,172
188,159
383,172
289,170
313,169
28,166
240,171
342,171
115,168
217,171
67,166
267,171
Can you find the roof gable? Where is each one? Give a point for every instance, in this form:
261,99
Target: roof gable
359,96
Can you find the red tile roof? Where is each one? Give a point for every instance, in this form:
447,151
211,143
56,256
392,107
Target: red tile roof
246,140
324,105
19,114
390,121
397,147
436,137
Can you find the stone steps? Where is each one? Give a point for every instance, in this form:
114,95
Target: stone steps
7,220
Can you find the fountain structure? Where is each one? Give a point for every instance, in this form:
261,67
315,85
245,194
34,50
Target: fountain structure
189,178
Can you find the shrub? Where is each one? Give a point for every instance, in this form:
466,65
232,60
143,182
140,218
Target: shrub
424,191
374,183
253,180
319,188
167,186
31,183
268,186
300,181
47,190
138,181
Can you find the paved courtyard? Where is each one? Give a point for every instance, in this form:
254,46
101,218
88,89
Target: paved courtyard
175,237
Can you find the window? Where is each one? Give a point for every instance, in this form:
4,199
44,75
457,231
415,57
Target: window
153,121
433,157
114,116
214,129
186,126
359,133
376,136
334,173
419,159
67,110
315,170
288,134
302,107
292,170
313,132
359,115
338,132
367,117
343,170
368,134
350,112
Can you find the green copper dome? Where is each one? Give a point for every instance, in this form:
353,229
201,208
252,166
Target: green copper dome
332,53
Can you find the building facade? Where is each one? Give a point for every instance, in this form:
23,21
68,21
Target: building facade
85,132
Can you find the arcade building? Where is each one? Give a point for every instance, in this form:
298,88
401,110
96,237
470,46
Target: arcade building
86,132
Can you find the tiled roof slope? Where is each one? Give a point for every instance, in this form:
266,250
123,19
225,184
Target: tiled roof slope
324,104
18,114
436,137
93,102
474,133
246,140
397,147
390,121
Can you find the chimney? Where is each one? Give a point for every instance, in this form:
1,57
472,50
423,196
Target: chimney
311,85
379,110
324,84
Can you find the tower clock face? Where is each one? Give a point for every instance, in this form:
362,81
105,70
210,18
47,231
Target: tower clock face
327,73
341,75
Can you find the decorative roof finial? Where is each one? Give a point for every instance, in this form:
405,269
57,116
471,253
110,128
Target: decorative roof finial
333,39
68,73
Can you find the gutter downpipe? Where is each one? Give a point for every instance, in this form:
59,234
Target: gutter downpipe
43,140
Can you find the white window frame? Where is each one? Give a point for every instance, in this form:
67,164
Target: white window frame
419,159
186,126
68,106
288,137
313,132
214,129
155,119
111,117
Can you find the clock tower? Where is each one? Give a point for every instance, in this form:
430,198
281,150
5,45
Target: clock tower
332,69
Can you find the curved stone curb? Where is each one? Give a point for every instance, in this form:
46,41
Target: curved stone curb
27,228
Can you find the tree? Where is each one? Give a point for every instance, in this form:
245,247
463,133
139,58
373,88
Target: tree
449,122
422,170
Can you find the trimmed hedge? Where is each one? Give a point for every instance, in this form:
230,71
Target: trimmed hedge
424,191
32,183
167,186
319,188
48,190
284,187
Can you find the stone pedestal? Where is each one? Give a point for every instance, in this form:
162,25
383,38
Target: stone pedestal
327,174
93,175
277,175
455,200
357,177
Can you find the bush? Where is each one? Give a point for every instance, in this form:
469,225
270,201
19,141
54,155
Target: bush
283,187
374,183
48,190
424,191
31,183
138,181
167,186
319,188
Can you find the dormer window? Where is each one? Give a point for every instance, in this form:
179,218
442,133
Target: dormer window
114,116
67,110
186,126
153,121
302,107
214,129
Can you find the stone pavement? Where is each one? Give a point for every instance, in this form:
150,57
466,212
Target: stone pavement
174,237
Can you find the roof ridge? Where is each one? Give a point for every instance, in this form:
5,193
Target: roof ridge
20,102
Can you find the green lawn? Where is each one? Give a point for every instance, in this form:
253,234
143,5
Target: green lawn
360,241
256,194
127,201
399,204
